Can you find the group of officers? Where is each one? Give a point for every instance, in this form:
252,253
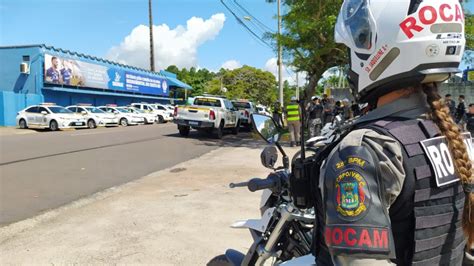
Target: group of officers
323,110
318,112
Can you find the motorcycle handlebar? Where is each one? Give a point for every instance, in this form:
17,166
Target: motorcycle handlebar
234,185
259,184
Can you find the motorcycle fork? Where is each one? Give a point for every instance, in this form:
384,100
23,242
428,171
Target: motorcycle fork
265,252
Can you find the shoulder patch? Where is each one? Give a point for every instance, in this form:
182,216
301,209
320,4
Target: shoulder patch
441,160
351,195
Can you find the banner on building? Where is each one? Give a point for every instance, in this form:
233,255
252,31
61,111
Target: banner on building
72,72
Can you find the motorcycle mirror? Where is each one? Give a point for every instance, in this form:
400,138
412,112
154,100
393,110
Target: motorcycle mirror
266,128
269,157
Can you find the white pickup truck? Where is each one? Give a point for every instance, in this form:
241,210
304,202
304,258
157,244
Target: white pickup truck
209,114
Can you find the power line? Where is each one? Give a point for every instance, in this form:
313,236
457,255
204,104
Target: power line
262,25
245,26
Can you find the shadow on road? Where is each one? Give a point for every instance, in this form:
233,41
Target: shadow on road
243,139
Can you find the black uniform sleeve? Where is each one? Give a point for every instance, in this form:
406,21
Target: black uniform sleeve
357,223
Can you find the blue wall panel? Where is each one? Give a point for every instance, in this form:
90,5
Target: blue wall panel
11,103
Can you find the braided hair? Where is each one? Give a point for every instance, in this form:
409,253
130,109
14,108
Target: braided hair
441,116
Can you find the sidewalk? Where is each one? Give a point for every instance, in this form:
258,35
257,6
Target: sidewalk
8,131
178,216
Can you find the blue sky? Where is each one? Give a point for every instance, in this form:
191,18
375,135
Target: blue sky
95,26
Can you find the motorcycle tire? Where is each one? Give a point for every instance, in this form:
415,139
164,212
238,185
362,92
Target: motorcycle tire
220,260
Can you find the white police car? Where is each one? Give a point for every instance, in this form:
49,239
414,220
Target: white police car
94,116
49,115
149,118
125,118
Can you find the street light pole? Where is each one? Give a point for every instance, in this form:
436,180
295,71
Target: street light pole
152,57
279,62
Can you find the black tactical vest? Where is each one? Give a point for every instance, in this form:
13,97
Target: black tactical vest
425,218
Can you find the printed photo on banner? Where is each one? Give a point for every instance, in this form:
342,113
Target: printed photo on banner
62,71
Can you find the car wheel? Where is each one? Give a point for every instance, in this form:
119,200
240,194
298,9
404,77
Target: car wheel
184,131
249,127
220,131
53,125
23,124
236,129
161,120
123,122
91,124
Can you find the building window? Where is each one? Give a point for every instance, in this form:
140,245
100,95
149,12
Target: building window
26,58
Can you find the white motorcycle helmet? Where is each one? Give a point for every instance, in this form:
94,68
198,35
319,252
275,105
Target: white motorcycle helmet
399,43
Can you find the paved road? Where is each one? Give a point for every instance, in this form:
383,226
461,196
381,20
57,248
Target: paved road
48,169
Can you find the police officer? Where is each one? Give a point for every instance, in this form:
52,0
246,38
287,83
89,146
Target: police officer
315,114
293,119
397,188
277,114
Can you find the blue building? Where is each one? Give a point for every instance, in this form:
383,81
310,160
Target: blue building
33,74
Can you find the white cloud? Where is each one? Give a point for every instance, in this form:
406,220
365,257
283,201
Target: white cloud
176,46
231,64
271,66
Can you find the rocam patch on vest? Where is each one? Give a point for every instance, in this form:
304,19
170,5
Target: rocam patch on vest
441,160
351,198
352,238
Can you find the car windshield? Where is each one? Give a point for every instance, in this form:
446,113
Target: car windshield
242,105
123,110
137,110
94,110
59,110
207,102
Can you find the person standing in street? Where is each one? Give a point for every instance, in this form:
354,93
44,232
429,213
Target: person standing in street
328,111
276,113
470,119
293,121
460,111
315,114
451,104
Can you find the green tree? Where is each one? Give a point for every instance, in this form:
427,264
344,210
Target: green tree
469,52
308,42
250,83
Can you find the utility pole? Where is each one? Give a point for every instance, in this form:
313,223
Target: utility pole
152,56
297,87
280,63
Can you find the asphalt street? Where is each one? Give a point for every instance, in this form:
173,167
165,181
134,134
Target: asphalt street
45,170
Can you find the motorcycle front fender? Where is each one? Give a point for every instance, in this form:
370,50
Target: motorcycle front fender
259,225
234,257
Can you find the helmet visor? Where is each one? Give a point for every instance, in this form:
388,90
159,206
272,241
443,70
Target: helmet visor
357,21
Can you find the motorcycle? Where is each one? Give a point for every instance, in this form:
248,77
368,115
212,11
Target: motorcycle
283,234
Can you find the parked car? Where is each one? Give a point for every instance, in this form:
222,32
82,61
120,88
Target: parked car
166,109
94,116
209,114
161,115
246,109
125,118
149,118
49,115
263,110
